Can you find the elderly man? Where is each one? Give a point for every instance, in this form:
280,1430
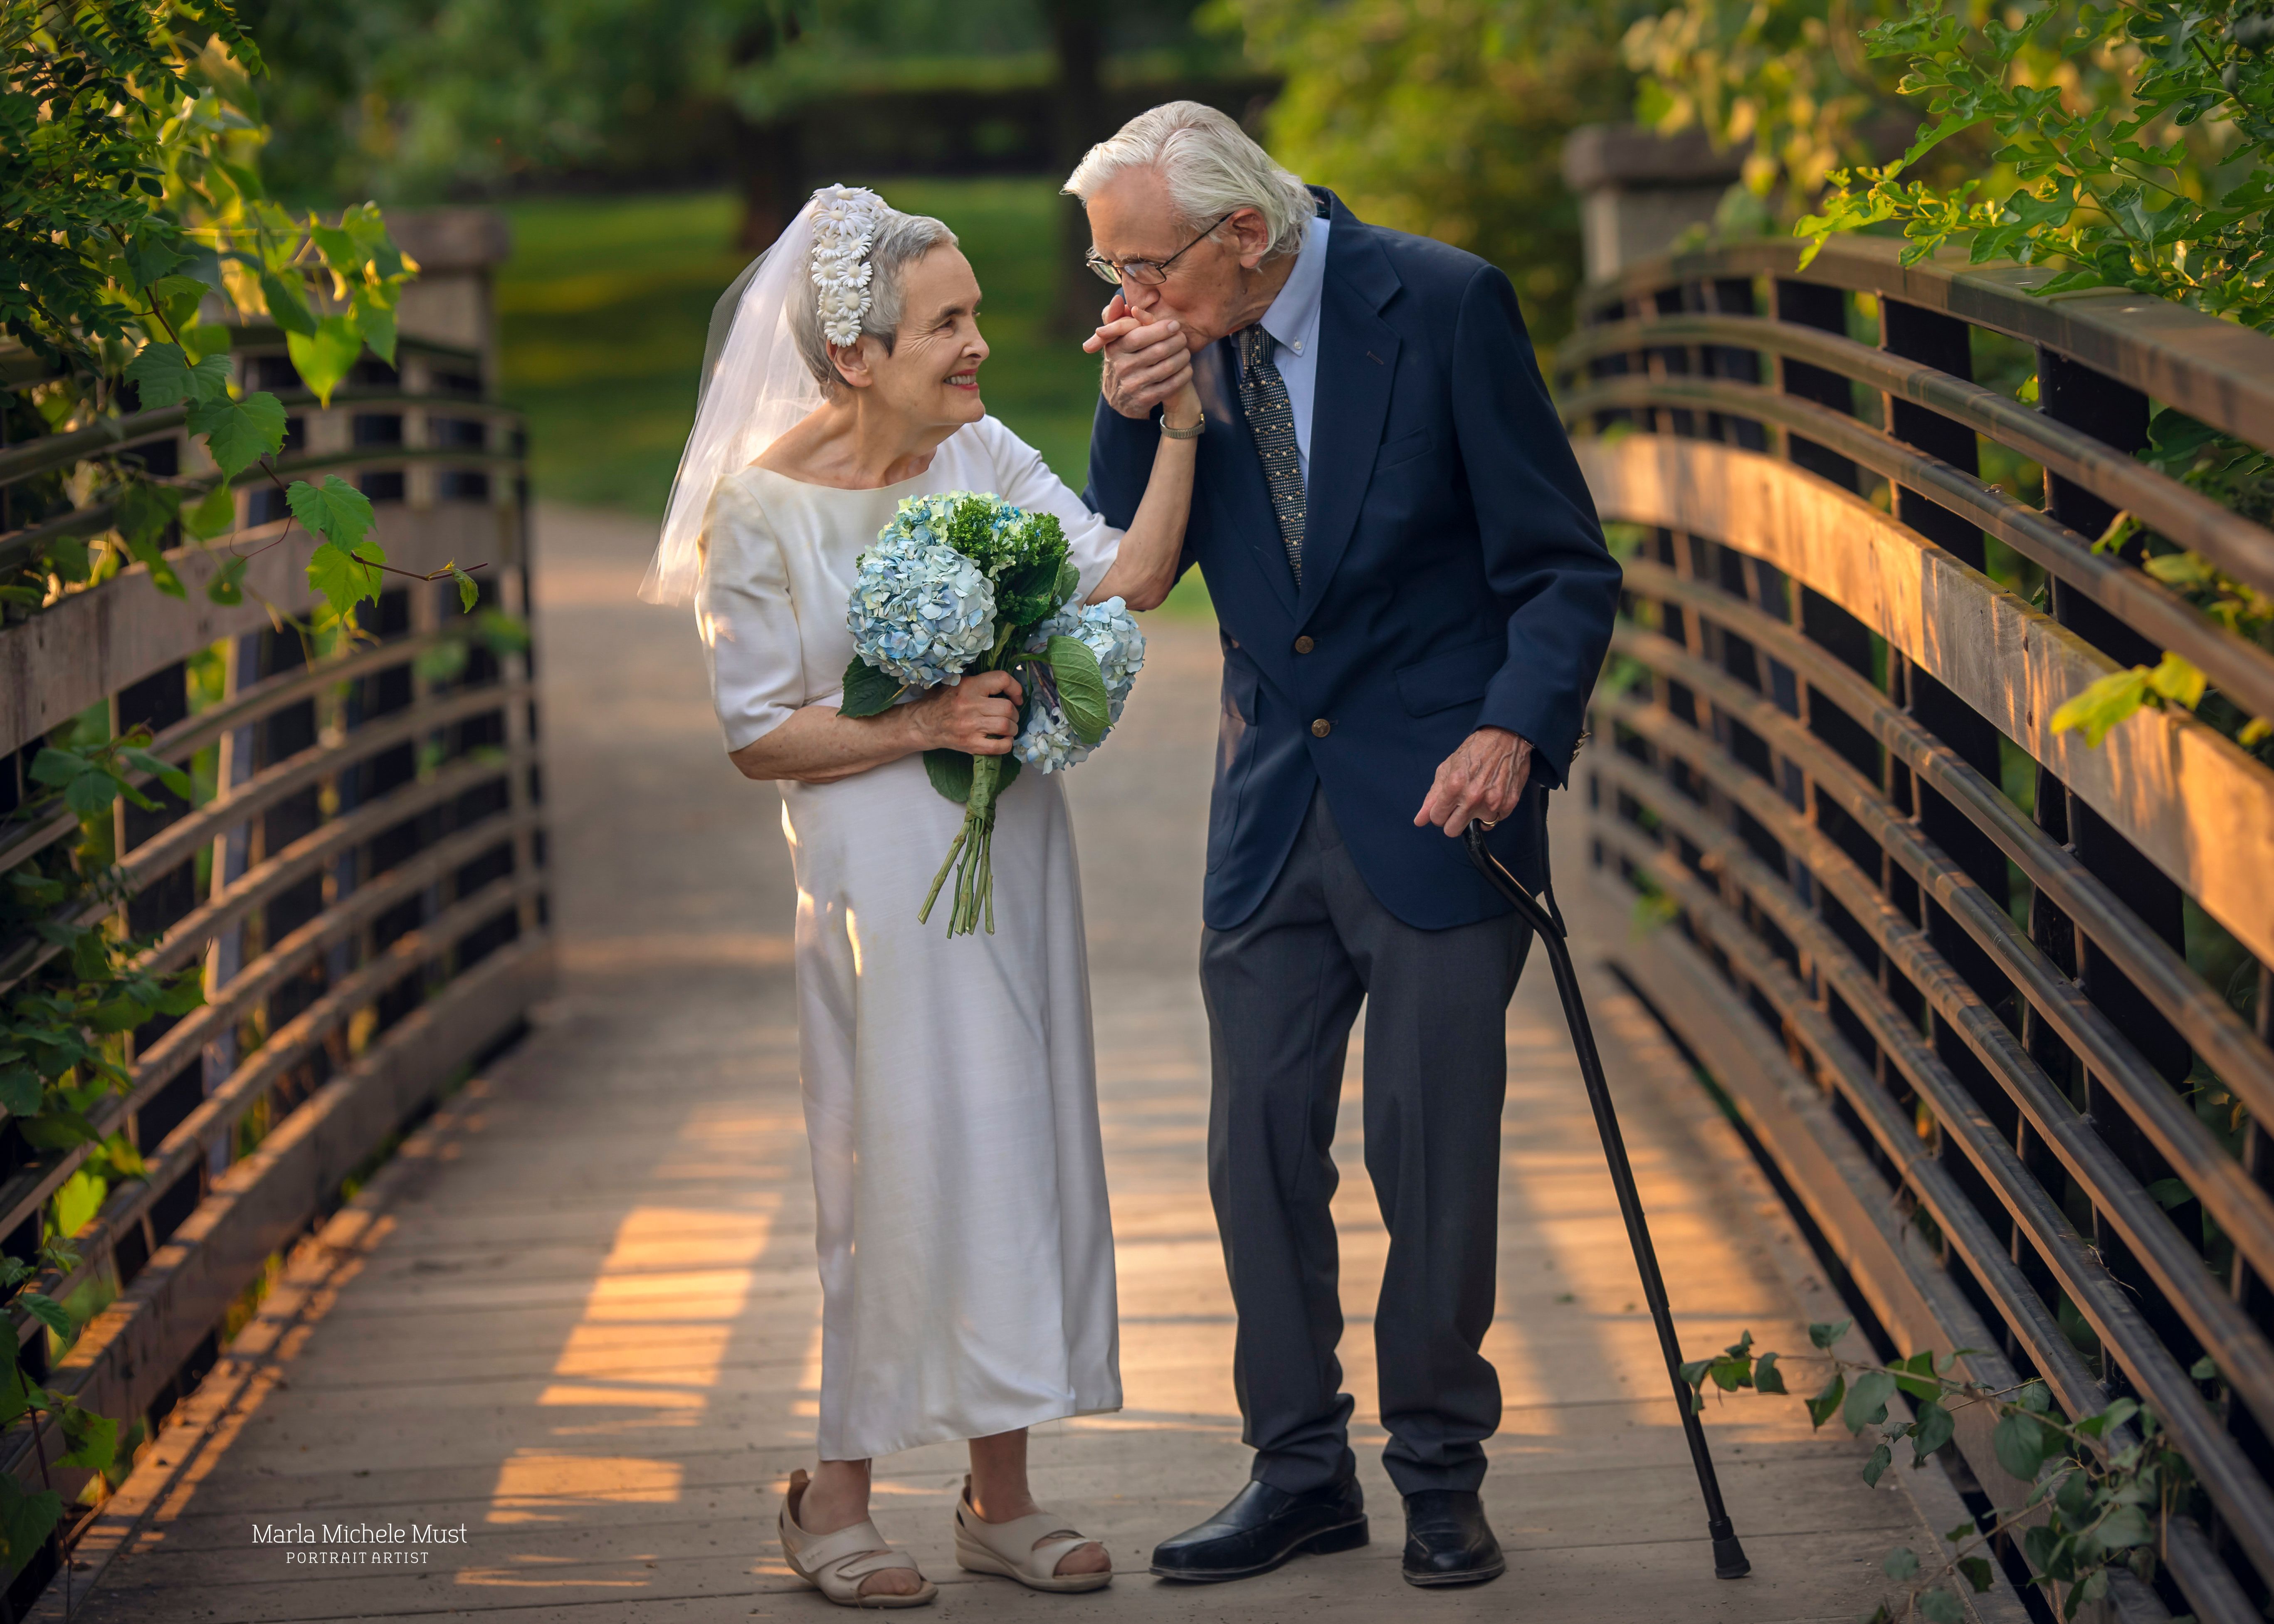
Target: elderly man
1414,597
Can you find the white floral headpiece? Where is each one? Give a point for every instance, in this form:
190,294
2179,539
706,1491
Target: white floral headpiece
844,225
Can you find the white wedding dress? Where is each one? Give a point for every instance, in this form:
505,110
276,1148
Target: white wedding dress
966,1249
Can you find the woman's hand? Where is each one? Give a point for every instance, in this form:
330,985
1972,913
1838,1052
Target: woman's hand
979,715
1184,407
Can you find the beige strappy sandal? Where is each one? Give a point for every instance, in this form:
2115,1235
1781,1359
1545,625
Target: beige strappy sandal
1028,1549
835,1564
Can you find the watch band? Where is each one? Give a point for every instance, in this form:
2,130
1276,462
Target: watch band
1193,432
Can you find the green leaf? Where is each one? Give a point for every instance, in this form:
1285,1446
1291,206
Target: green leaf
1867,1400
90,793
1825,1336
375,321
26,1519
47,1311
227,585
94,1439
1978,1572
1766,1377
1069,581
144,510
79,1200
323,357
1880,1459
335,510
1901,1563
1081,688
1940,1607
868,691
2020,1443
1963,1531
21,1090
2122,1528
173,777
1821,1406
2205,1369
213,514
238,433
343,576
469,591
1933,1429
2103,704
164,376
950,771
151,252
288,303
150,551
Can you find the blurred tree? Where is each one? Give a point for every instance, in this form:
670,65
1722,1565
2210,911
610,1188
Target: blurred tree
1449,118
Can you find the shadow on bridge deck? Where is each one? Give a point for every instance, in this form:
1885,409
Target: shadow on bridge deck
576,1322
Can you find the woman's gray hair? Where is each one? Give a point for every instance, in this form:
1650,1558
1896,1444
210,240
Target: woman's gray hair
900,241
1212,169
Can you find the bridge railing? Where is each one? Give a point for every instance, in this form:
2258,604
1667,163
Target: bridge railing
359,868
1993,999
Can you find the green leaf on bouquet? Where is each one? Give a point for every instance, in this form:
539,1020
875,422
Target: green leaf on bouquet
868,691
950,771
1028,592
1069,582
1081,688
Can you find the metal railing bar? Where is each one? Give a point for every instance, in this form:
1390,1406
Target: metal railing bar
2244,1355
2234,543
183,1149
252,703
2238,1491
2211,1025
2204,1577
24,1192
178,841
2240,669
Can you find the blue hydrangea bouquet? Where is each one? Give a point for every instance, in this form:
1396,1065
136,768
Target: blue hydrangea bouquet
959,583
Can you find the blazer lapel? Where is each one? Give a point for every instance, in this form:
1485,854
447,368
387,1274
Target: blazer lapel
1357,359
1233,474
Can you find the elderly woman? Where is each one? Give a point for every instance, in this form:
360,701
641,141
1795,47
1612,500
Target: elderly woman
966,1250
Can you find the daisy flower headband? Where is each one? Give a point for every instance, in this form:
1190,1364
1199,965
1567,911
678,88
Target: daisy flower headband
844,224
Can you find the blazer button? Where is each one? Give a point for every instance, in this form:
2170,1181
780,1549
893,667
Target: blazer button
1304,645
1320,728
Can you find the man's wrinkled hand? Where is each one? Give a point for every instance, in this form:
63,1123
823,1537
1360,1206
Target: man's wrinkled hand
1484,779
1146,363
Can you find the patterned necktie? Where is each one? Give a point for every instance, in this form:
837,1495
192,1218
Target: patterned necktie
1263,397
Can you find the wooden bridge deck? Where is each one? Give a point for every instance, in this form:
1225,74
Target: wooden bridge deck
577,1319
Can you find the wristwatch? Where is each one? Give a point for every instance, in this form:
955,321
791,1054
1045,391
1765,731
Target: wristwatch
1193,432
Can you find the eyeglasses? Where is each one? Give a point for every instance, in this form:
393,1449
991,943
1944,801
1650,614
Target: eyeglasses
1144,273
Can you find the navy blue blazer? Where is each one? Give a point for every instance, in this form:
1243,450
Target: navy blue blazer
1454,576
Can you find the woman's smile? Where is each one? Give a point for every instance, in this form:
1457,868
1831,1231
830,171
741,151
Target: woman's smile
965,381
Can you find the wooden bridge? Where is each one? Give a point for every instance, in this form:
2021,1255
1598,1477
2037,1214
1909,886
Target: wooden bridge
474,1204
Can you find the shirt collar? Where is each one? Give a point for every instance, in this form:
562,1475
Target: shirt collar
1294,317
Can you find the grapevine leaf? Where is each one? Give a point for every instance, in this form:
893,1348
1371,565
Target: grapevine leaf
868,691
1825,1336
238,433
148,549
1901,1563
47,1311
1878,1462
1978,1572
212,514
469,591
2020,1444
950,771
1820,1407
344,575
1867,1400
335,510
324,356
1766,1377
162,375
2103,704
288,303
1940,1607
2205,1369
94,1439
2123,1527
227,585
26,1519
21,1090
375,321
1081,688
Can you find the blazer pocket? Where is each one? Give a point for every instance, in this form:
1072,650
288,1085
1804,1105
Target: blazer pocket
1456,677
1405,449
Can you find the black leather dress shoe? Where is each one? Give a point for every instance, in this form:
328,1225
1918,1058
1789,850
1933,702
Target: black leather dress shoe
1448,1541
1261,1528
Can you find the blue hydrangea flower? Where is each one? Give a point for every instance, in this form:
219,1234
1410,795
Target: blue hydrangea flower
919,610
1048,742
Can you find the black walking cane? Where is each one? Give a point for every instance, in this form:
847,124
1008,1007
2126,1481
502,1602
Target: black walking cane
1548,924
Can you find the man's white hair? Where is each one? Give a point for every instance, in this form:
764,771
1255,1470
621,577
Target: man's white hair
1211,167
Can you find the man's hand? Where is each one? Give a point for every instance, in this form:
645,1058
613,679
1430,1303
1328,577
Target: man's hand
1145,362
1484,779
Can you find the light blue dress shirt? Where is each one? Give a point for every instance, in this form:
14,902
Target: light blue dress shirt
1293,323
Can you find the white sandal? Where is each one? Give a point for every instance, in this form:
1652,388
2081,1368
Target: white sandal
1028,1549
835,1564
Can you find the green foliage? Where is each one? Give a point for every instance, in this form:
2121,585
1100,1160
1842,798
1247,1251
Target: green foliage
2099,1491
1449,119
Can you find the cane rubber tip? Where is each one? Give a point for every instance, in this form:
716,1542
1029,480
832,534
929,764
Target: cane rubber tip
1729,1559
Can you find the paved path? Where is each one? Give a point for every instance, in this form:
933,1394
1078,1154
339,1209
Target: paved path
578,1315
